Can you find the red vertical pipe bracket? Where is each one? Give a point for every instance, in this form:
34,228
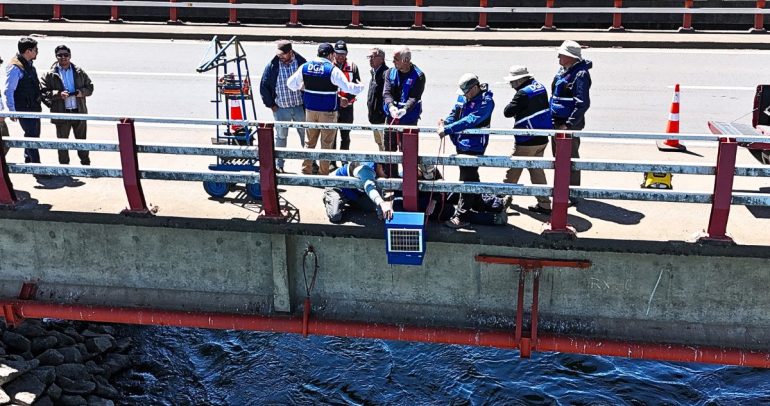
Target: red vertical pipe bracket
562,168
548,25
687,18
3,17
483,17
115,15
617,17
418,25
306,317
57,18
271,210
723,192
173,16
8,197
410,148
293,16
129,162
233,15
355,16
759,20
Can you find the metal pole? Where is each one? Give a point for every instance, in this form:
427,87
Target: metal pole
57,18
723,191
233,15
759,20
616,17
562,168
355,17
7,193
115,15
2,12
418,25
548,25
483,17
267,181
410,147
293,16
173,17
130,165
687,18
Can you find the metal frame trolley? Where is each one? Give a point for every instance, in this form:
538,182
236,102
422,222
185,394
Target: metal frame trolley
233,95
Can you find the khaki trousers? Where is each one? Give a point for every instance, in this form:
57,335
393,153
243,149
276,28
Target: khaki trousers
327,138
378,137
537,176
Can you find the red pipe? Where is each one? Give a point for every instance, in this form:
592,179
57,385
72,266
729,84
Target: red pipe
532,263
418,25
548,25
355,16
267,180
293,16
687,18
233,15
173,17
616,17
483,17
410,146
562,167
439,335
759,19
115,15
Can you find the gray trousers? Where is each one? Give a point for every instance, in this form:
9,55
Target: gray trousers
79,129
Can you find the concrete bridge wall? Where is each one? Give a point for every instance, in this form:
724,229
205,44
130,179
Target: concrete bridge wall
633,290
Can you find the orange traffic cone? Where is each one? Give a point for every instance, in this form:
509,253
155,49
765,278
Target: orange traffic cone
672,127
236,114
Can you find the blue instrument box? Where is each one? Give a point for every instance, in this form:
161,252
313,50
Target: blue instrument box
405,238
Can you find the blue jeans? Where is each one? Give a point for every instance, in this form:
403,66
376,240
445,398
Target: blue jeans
296,113
31,127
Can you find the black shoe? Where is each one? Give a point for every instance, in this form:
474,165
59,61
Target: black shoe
315,168
573,201
538,209
85,163
43,177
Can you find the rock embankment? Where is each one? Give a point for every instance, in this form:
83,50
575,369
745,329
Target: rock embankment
57,363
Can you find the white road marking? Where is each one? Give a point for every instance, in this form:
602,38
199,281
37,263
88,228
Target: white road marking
742,88
158,74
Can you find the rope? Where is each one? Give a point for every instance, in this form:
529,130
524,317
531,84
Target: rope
752,111
308,251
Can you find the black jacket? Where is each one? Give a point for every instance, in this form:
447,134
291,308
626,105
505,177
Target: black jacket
270,77
522,106
374,99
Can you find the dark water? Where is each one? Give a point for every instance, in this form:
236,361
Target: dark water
206,367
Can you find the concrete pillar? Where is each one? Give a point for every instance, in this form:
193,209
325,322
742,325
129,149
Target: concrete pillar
281,298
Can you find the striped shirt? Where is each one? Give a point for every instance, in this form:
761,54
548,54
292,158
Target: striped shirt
285,97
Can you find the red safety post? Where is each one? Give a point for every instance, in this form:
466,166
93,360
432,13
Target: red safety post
483,17
7,193
759,20
233,15
57,18
3,17
548,25
268,183
129,162
293,16
616,17
355,17
418,25
115,15
687,18
409,146
723,192
562,167
173,16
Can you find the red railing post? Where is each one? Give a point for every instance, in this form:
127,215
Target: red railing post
616,17
57,14
7,193
759,19
562,167
483,17
548,25
129,163
115,15
355,17
409,146
2,13
173,16
271,210
418,25
233,15
293,16
723,191
687,18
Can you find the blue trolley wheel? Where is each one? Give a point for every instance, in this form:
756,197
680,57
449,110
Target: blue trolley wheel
254,190
216,189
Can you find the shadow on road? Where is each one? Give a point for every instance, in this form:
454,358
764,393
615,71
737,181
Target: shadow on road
579,223
608,212
58,182
26,202
760,212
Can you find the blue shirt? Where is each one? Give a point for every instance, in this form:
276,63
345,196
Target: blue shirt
12,75
68,79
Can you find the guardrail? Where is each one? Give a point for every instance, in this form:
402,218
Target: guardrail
720,198
293,7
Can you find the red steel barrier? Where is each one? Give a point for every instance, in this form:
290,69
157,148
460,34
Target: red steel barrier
2,12
17,310
233,15
483,17
115,15
548,25
410,148
130,165
759,19
173,17
723,190
355,17
56,14
267,181
687,18
562,167
418,25
616,17
7,193
293,16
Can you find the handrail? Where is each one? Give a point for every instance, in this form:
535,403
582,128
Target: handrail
721,198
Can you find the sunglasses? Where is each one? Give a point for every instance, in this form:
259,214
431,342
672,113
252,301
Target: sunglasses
62,55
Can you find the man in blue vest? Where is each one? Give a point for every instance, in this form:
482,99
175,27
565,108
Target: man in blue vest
570,98
321,81
529,107
402,98
365,196
22,93
473,109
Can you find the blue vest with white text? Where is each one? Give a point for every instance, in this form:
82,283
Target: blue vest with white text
395,80
539,120
320,93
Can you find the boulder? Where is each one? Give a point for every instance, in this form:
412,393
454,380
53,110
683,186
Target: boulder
100,329
44,401
51,357
27,355
31,328
75,386
46,374
123,344
98,401
85,354
10,369
64,339
25,389
115,363
100,344
70,331
94,369
40,344
16,342
54,391
105,389
71,354
73,371
72,400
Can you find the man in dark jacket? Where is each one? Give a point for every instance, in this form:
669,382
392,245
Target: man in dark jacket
346,100
473,109
285,103
529,107
570,98
65,88
374,99
22,93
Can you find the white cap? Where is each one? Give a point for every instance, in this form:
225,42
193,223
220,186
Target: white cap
467,81
517,72
571,48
